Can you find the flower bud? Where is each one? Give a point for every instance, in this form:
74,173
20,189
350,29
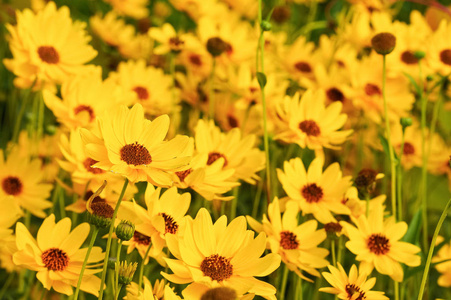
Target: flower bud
216,46
126,272
419,54
125,230
265,25
366,179
333,229
405,122
281,14
383,43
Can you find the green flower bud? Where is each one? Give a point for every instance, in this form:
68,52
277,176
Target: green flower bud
419,54
126,272
265,25
125,230
405,122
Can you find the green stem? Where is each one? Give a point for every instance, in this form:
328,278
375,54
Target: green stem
332,248
399,180
20,115
110,234
62,203
85,262
118,291
40,124
234,203
258,195
141,268
44,292
6,284
390,146
116,273
211,97
261,46
396,290
431,249
299,291
283,284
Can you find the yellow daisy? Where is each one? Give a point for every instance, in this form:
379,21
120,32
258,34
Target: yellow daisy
354,286
221,255
147,85
112,29
296,244
128,144
133,8
309,123
83,99
443,268
47,47
376,242
299,59
316,192
438,53
168,39
56,255
22,179
238,153
160,290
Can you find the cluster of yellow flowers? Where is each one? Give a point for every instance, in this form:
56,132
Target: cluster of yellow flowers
201,96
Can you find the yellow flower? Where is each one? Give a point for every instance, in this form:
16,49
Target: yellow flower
316,192
132,8
443,268
47,47
358,207
22,179
128,144
168,38
438,53
296,244
299,59
354,286
111,29
309,123
160,290
376,242
56,255
221,255
147,85
238,153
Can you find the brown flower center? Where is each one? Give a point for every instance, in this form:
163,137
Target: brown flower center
214,156
372,89
141,239
312,193
288,240
135,154
48,54
217,267
219,293
55,259
354,291
378,244
85,110
182,174
445,57
303,67
195,60
12,185
233,122
88,166
310,128
176,44
335,94
409,149
100,208
333,227
409,58
170,225
365,178
141,92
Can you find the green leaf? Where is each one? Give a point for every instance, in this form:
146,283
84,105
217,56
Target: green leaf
412,235
384,143
261,78
414,83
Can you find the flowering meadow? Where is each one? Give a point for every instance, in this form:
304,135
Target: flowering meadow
225,149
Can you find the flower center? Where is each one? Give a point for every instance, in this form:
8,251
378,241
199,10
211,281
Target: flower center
335,94
310,128
365,178
141,92
135,154
88,166
12,185
303,67
372,89
333,227
214,156
86,111
409,149
409,58
233,122
445,57
100,208
141,239
219,293
217,267
312,193
195,60
170,225
176,44
182,174
288,240
354,291
48,54
55,259
378,244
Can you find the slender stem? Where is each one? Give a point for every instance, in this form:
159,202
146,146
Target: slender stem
20,115
118,291
332,248
234,203
396,290
283,284
399,180
43,293
261,46
257,198
6,284
62,203
390,146
110,234
367,199
40,124
141,268
85,262
431,249
116,273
